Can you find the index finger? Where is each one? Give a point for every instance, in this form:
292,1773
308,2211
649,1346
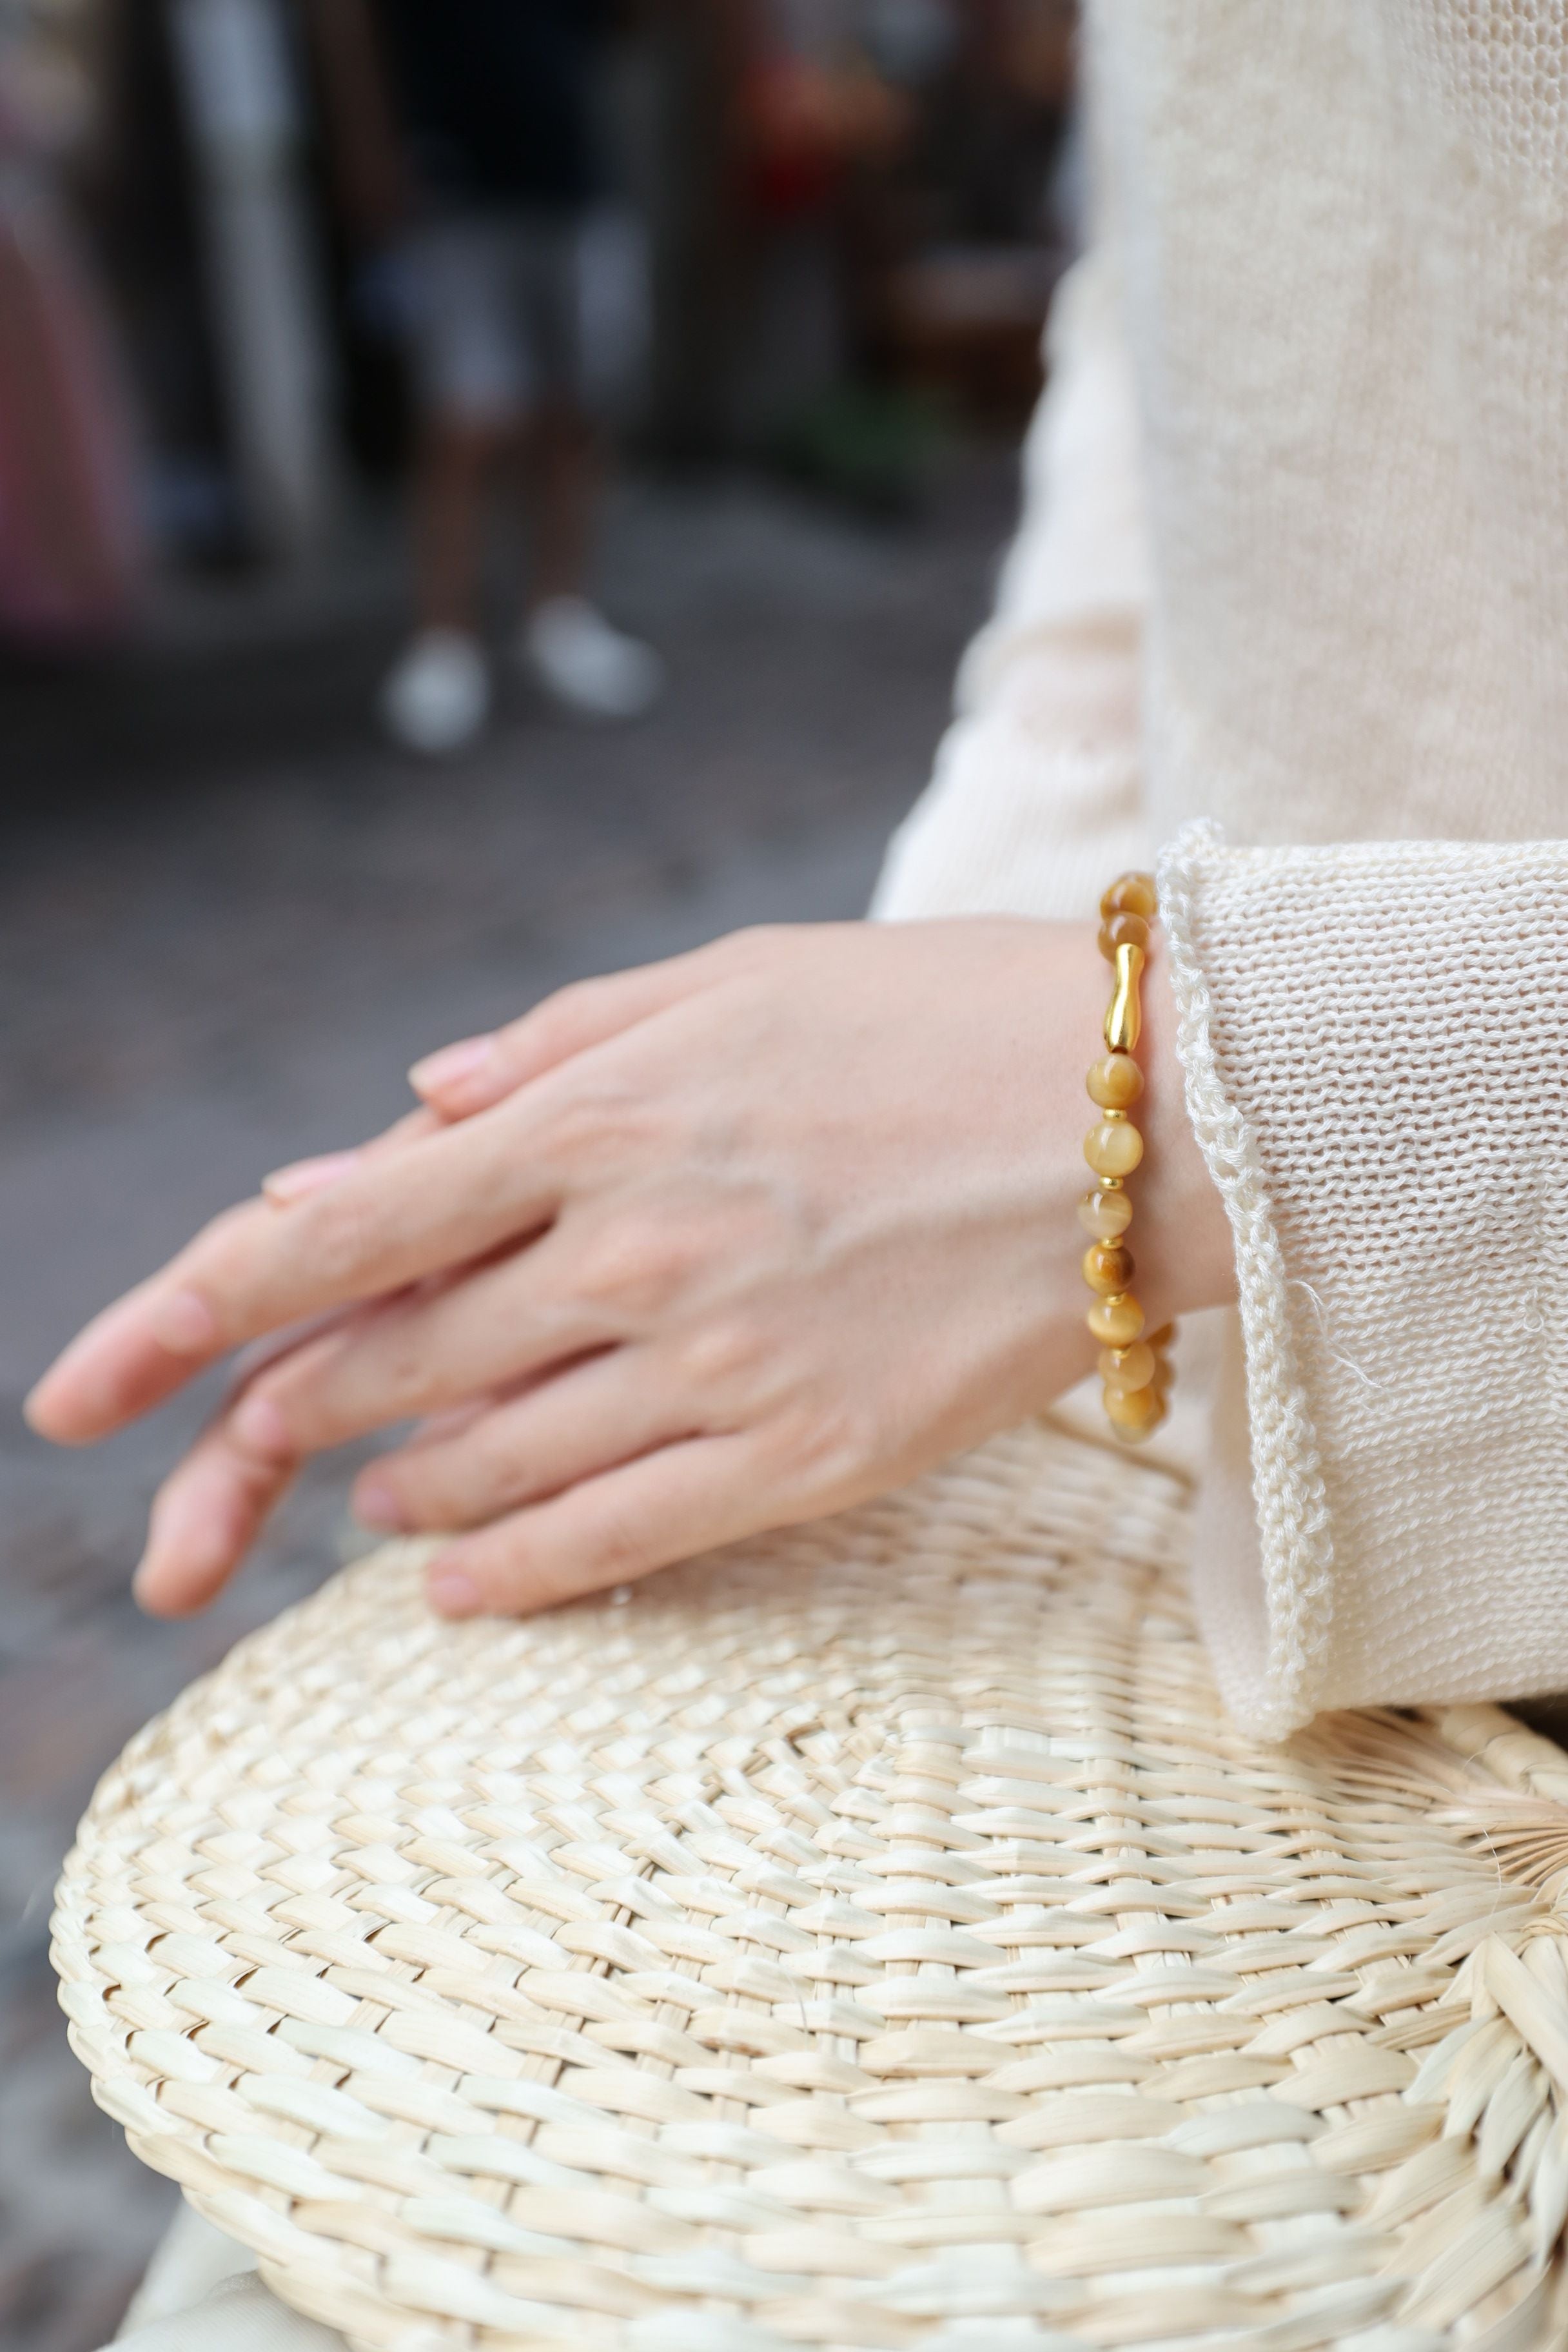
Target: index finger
453,1195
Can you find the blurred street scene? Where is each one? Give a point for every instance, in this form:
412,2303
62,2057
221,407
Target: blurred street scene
254,254
706,429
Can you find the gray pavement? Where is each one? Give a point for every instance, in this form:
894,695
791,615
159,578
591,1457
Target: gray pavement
227,921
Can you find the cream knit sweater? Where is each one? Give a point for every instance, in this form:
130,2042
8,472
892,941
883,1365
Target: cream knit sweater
1295,559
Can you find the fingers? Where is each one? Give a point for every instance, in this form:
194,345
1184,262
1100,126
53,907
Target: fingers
452,1196
612,1529
213,1507
424,1352
574,1425
428,1192
128,1359
478,1071
441,1186
413,1124
205,1518
120,1364
301,1176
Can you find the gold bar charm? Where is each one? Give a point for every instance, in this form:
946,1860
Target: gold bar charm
1124,1022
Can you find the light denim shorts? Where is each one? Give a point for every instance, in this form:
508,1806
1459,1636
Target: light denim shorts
511,309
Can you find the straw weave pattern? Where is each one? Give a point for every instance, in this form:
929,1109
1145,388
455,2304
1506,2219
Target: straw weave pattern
873,1936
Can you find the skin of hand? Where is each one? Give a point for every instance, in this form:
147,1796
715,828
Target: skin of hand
686,1252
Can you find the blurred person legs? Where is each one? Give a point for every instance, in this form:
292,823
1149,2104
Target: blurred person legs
523,323
565,645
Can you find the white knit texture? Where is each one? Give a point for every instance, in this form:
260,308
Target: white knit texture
1038,794
1292,559
1343,241
1372,1039
1295,1535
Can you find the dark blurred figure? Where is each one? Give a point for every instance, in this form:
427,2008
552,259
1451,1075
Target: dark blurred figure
70,554
469,139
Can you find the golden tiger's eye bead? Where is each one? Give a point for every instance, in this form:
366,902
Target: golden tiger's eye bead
1114,1148
1130,893
1117,1321
1114,1082
1105,1215
1121,932
1129,1367
1135,1412
1107,1267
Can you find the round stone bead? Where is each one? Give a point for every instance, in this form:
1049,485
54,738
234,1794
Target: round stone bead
1122,930
1131,893
1105,1215
1114,1081
1129,1367
1107,1267
1114,1148
1117,1321
1135,1412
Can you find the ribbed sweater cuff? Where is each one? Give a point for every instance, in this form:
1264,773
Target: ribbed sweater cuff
1373,1035
1295,1535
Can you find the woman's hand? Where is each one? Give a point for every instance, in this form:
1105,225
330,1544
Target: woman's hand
685,1254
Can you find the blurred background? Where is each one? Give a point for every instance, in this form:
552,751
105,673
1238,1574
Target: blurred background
489,490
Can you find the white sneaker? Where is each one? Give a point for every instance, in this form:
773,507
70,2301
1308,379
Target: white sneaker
583,662
436,697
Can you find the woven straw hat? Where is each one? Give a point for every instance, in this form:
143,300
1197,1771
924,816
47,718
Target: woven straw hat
872,1936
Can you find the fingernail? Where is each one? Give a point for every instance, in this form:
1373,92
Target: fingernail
259,1427
452,1066
375,1507
452,1590
303,1176
184,1324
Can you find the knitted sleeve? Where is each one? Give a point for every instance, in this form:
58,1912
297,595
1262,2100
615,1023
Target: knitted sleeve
1371,1036
1037,795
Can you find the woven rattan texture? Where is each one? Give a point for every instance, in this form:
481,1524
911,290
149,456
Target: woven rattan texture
871,1936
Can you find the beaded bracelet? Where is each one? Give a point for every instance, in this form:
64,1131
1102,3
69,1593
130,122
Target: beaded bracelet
1133,1366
